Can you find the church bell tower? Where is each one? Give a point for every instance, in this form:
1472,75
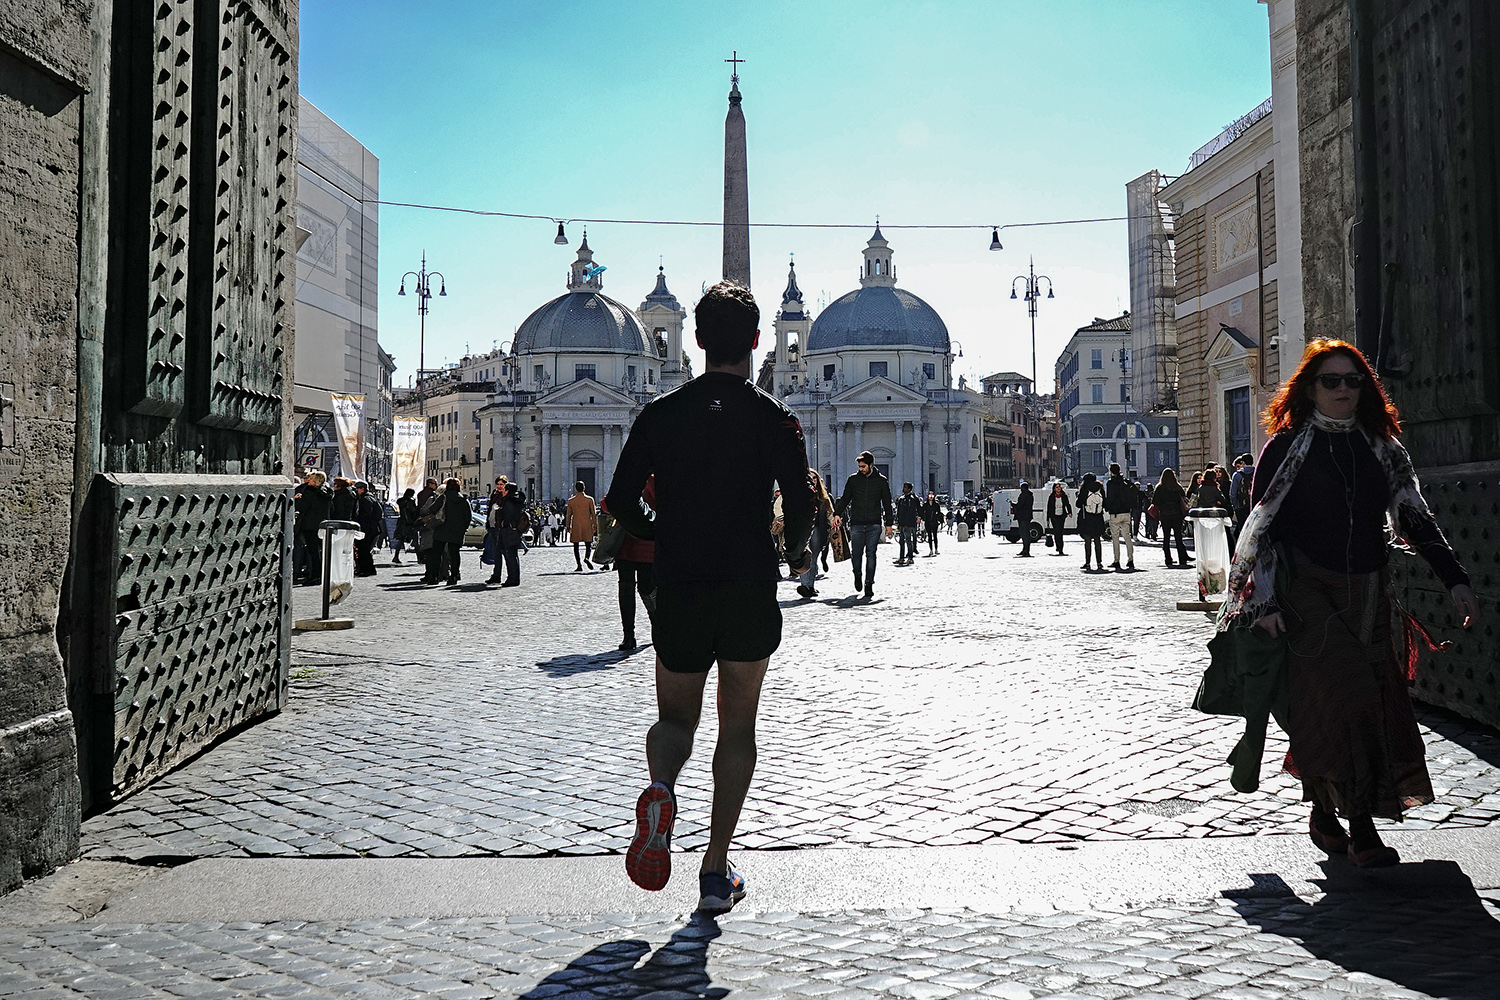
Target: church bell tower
792,319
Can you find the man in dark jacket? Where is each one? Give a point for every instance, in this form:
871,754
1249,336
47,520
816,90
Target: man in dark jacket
511,524
370,515
1120,499
1025,513
312,502
867,494
908,516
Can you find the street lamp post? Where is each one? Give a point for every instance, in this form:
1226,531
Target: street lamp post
424,292
1031,282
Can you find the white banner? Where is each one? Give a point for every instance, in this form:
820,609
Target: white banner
349,421
408,455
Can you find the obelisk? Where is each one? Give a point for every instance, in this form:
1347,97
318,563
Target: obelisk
736,187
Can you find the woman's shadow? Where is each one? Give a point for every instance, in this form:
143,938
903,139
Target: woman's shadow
679,966
1422,926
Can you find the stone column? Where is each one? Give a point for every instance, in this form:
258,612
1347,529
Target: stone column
922,453
859,438
545,461
608,472
567,461
898,470
836,462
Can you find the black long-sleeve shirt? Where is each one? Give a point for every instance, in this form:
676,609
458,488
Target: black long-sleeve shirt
1335,511
718,446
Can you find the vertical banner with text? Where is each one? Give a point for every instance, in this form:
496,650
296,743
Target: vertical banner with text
408,455
349,421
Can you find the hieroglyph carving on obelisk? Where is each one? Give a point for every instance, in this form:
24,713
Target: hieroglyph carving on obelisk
736,187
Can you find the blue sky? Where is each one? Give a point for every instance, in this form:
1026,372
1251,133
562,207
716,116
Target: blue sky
954,112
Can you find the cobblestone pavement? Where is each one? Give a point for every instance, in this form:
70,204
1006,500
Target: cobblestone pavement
1327,947
978,697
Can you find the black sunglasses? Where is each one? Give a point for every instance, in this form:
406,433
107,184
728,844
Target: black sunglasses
1353,380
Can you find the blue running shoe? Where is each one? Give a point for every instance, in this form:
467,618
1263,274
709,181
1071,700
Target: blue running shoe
719,891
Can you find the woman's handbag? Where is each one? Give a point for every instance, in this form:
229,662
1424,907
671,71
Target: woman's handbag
610,540
838,540
1153,513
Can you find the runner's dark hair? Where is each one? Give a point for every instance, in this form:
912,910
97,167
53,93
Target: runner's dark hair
728,320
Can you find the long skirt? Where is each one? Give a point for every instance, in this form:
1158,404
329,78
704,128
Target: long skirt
1354,738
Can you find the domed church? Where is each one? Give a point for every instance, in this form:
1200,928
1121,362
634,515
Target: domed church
580,368
874,372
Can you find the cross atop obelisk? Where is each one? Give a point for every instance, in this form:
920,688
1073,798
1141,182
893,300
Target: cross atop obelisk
736,186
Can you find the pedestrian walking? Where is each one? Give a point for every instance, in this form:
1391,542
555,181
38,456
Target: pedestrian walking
1059,509
1119,503
583,525
716,573
908,516
866,497
932,522
1024,511
369,513
818,539
1330,483
312,503
448,531
1091,520
406,525
1171,510
633,568
492,531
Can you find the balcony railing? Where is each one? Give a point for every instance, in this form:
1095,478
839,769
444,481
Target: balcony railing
1240,126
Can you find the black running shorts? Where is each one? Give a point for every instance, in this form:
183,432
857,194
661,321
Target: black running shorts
700,622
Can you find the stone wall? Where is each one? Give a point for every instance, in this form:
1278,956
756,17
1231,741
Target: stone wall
1326,159
43,73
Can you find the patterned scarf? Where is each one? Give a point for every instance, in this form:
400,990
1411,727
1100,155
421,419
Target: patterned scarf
1252,574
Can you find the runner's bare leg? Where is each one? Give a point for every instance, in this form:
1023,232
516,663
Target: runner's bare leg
679,703
734,757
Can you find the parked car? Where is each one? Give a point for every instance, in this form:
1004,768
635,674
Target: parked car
475,535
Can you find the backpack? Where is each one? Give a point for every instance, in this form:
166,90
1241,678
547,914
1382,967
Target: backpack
1094,504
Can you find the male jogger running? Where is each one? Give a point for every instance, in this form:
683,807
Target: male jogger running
718,447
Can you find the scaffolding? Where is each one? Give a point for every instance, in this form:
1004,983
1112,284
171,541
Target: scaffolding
1153,294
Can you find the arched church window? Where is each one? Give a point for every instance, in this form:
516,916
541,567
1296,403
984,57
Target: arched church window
975,442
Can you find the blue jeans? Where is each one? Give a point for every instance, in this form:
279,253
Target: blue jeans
908,538
863,538
814,543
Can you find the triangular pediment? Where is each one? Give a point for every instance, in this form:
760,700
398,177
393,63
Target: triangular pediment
875,390
579,393
1227,345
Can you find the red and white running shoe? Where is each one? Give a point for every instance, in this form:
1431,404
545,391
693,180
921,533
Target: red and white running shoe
649,860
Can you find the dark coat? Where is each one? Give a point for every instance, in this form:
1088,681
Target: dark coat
370,514
932,514
1024,506
908,510
406,522
312,505
345,504
865,499
1120,497
1055,510
456,517
1169,500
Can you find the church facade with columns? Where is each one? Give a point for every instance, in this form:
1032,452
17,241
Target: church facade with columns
874,371
579,370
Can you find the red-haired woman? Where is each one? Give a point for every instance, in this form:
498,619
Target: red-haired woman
1330,482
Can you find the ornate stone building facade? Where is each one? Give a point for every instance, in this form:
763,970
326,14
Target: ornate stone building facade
874,372
578,371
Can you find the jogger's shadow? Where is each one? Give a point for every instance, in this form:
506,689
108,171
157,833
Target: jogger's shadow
678,967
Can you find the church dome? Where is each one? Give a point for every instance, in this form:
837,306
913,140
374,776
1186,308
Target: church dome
582,321
585,319
878,314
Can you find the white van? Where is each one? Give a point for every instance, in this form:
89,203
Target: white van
1003,524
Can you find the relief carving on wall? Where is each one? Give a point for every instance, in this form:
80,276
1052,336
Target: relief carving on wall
1234,234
